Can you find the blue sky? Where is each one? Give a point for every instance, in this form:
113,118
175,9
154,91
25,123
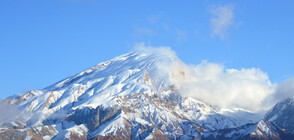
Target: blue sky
45,41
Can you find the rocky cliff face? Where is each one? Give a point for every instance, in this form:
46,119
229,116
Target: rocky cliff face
127,97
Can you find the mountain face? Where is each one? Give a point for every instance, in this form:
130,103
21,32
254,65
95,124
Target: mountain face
128,97
282,114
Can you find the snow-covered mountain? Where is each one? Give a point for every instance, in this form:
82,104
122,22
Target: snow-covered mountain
282,114
129,97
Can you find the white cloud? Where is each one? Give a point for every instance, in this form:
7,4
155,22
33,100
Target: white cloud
225,88
245,88
222,18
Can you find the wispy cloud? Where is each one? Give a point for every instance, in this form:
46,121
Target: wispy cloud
284,90
139,32
221,20
12,113
181,35
165,26
154,19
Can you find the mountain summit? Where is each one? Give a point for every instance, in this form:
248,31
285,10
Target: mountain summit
133,96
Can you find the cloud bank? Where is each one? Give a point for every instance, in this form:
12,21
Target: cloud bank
212,83
222,18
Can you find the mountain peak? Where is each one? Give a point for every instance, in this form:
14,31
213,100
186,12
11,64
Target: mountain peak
132,96
282,114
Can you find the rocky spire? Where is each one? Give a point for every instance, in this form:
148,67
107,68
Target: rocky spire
146,77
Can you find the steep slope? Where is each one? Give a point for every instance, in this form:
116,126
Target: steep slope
282,114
